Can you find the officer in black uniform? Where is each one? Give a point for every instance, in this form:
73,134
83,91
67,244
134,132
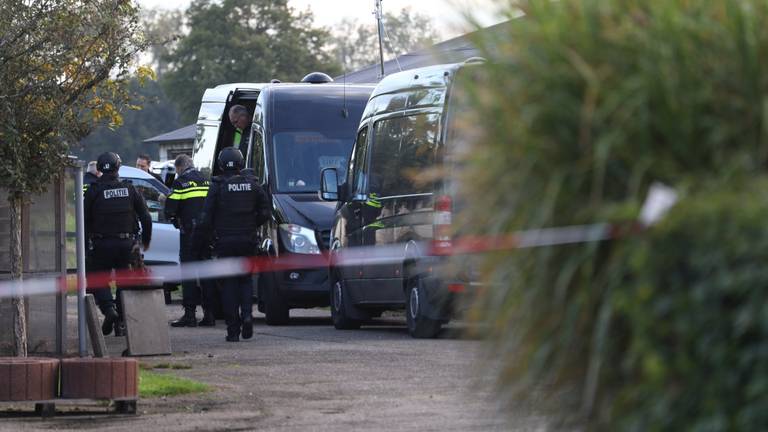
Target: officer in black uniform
112,208
235,208
183,208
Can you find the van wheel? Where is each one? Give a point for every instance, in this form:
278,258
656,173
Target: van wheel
339,308
276,311
419,326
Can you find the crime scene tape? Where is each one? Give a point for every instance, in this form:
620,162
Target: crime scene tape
660,200
155,276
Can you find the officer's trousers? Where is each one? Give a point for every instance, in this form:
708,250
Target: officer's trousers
194,293
105,255
237,291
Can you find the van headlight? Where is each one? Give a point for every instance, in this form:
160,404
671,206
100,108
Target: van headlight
299,239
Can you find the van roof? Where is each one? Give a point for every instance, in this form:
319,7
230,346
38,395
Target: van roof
425,77
289,91
220,92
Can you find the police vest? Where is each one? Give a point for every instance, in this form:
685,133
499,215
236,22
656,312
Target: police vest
112,209
185,203
237,208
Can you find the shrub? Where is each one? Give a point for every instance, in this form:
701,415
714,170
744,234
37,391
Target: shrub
694,350
591,102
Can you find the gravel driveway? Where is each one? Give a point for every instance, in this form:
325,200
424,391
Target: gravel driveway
310,377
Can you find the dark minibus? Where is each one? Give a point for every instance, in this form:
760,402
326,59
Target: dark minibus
299,130
395,206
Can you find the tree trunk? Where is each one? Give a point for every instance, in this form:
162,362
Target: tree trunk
19,312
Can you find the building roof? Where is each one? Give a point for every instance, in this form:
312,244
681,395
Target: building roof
187,133
451,51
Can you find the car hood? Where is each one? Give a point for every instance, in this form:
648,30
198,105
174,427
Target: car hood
306,210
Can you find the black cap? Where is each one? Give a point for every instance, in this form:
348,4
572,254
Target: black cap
230,159
108,162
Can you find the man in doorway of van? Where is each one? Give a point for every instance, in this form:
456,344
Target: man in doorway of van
241,121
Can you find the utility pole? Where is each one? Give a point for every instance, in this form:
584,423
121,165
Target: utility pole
379,16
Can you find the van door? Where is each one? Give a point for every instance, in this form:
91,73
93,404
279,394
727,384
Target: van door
402,175
349,228
206,136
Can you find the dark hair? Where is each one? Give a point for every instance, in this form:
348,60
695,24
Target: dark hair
238,110
145,157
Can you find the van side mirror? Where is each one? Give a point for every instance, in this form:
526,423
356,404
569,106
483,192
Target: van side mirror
329,185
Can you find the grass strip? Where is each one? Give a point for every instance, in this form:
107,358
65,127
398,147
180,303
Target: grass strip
153,384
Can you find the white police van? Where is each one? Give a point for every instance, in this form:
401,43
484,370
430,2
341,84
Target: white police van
214,131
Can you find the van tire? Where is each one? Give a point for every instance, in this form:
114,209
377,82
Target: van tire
419,326
340,307
276,311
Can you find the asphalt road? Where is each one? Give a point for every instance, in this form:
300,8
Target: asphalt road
310,377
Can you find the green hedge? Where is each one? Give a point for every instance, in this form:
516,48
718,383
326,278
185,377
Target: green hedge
693,353
584,104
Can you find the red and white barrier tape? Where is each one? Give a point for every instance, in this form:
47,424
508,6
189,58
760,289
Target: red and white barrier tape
227,267
660,199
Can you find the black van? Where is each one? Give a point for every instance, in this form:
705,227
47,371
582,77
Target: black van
298,130
393,203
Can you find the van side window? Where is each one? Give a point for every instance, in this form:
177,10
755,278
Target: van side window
404,147
357,168
257,154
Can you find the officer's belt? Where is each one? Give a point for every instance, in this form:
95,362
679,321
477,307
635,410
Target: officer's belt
121,236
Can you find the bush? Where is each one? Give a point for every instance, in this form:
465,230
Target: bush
591,102
694,350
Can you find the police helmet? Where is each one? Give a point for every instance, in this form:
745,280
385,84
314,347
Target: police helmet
230,159
108,162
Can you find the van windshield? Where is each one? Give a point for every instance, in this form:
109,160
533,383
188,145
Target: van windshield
300,156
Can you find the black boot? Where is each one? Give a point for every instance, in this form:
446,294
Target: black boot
233,336
110,318
188,319
208,319
247,328
233,331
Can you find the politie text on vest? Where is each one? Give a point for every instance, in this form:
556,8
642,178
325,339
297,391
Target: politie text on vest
116,193
239,187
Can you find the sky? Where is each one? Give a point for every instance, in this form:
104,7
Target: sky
447,15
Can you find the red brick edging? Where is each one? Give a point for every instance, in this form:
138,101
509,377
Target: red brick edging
99,378
28,378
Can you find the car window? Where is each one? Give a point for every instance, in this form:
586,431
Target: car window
357,162
154,198
403,148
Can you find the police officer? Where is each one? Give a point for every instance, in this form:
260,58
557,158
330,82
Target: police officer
183,208
235,208
91,175
112,208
